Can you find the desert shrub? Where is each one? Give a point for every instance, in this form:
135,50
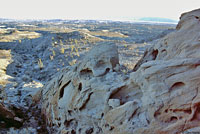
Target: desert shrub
62,50
61,43
51,57
40,64
75,41
54,53
72,48
71,63
77,53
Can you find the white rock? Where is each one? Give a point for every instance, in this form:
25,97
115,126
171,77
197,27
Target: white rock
161,97
114,103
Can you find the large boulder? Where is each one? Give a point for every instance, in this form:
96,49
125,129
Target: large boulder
77,99
160,97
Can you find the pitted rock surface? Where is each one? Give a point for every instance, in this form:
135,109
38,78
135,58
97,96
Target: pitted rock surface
161,96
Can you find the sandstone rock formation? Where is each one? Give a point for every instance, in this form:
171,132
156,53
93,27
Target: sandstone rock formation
161,96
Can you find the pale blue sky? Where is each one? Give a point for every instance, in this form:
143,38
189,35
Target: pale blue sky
95,9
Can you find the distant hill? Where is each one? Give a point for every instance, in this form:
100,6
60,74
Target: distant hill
135,20
156,19
4,20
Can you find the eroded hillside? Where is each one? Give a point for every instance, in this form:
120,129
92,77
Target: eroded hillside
33,53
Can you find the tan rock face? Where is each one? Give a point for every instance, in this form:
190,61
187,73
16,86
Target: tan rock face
5,59
170,80
160,97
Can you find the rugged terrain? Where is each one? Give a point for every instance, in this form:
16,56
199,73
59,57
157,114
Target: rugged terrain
80,72
160,96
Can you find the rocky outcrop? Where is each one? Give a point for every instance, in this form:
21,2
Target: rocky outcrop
83,91
160,97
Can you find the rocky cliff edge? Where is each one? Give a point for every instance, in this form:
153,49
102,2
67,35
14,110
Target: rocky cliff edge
161,96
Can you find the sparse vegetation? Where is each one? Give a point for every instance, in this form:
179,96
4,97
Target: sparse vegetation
71,63
64,44
40,64
51,57
62,50
61,43
72,48
54,53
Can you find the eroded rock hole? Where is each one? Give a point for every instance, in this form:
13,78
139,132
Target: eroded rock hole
177,85
86,71
67,122
121,94
196,114
62,89
89,131
86,101
70,112
156,114
164,51
197,17
80,86
60,82
73,131
107,70
173,119
106,125
154,54
111,128
79,130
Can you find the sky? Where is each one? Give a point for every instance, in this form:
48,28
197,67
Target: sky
95,9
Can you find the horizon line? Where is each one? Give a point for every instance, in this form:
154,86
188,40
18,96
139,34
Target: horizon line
134,19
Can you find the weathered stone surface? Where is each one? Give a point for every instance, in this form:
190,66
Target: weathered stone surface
160,97
170,80
99,60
